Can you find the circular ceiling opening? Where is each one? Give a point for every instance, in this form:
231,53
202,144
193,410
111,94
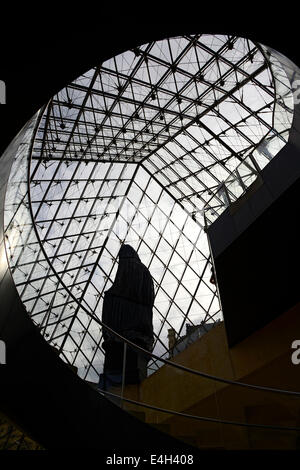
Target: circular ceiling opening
140,150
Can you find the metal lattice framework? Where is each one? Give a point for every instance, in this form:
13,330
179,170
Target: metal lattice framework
134,150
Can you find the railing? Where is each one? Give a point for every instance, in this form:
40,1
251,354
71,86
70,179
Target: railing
263,432
193,371
199,418
217,422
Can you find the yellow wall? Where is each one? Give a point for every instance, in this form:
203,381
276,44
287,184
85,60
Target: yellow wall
262,359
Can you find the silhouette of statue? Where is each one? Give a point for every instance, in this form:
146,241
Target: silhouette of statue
127,309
